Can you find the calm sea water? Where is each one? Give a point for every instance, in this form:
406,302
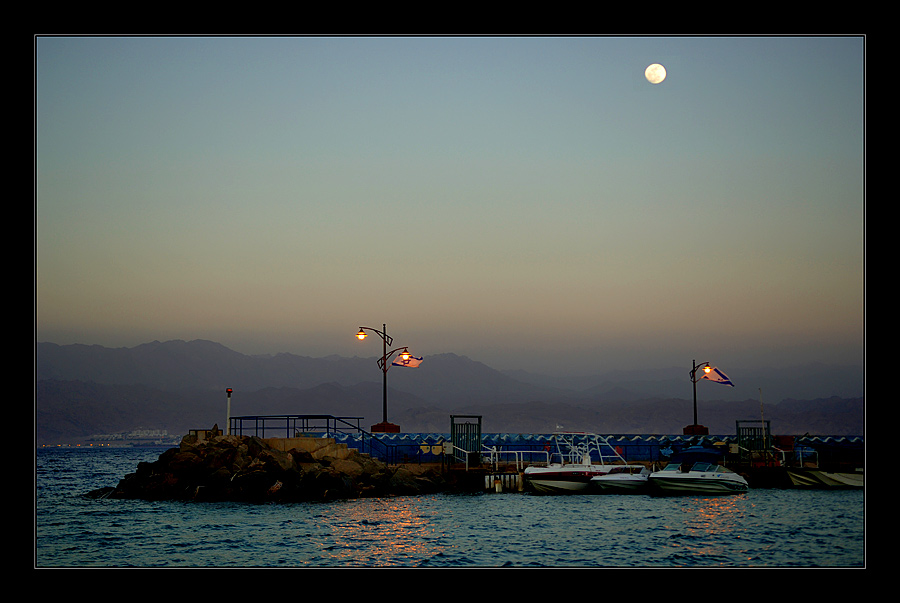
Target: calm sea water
763,528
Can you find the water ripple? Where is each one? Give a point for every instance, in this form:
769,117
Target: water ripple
763,528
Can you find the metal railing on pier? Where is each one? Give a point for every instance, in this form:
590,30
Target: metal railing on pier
290,426
519,458
325,426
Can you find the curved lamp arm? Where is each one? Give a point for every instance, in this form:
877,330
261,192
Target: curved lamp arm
383,362
706,369
384,336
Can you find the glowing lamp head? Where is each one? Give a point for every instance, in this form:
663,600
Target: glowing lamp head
361,335
707,368
405,355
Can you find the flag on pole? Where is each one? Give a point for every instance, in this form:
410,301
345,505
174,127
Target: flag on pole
717,376
411,362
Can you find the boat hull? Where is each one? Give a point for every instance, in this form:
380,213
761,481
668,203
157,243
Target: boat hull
560,481
701,477
697,485
621,485
626,479
817,479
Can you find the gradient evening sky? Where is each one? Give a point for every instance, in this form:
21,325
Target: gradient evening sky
528,202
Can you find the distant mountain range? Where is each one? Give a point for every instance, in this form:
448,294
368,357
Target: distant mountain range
82,390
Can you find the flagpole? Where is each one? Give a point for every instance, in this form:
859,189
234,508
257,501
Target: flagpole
762,421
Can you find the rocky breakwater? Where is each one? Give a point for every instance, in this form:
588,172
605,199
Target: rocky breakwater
252,469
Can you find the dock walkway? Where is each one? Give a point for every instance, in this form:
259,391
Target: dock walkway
503,457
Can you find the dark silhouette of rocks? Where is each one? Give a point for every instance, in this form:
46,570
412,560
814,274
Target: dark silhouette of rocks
251,469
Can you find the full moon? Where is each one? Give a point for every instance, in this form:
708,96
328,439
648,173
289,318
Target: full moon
655,73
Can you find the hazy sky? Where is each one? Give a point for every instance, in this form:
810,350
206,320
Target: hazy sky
528,202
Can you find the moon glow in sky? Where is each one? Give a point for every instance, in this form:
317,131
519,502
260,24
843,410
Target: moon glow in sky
655,73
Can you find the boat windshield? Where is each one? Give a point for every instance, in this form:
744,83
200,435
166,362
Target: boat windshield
711,467
672,467
629,469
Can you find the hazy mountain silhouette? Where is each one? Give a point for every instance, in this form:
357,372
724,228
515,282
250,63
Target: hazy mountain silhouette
176,385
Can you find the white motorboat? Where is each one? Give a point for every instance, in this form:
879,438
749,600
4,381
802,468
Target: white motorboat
570,469
562,478
623,479
696,478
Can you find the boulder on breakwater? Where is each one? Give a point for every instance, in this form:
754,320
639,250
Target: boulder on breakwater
252,469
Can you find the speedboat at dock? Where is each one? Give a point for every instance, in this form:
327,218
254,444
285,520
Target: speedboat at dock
570,469
623,479
559,478
697,478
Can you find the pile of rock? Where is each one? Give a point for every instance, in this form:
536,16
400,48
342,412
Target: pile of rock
252,469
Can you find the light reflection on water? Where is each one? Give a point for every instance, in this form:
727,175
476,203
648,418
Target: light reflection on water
708,527
379,531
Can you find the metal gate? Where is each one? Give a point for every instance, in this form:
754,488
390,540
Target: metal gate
754,439
465,434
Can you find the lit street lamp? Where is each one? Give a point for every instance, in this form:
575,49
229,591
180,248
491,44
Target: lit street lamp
697,429
383,364
710,373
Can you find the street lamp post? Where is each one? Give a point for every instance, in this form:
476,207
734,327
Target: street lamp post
383,364
696,429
